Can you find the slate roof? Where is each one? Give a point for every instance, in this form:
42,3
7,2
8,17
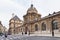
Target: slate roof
51,15
15,18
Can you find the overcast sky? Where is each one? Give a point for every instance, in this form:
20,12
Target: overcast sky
19,8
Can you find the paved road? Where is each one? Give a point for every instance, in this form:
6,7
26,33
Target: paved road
29,38
40,38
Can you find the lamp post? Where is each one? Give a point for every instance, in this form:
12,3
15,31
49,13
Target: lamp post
5,36
22,30
52,29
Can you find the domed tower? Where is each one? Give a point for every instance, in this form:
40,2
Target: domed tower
32,14
32,9
31,17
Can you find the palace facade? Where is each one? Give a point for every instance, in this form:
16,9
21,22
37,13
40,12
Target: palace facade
33,22
2,28
15,25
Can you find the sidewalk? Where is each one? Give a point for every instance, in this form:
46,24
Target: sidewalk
55,35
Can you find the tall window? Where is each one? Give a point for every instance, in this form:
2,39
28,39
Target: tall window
43,26
36,27
55,24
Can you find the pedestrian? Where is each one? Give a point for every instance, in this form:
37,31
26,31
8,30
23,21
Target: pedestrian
22,33
5,35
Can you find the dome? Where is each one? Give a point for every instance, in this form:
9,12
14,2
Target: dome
32,9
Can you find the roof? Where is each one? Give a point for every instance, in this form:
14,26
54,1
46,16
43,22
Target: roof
51,15
32,9
15,18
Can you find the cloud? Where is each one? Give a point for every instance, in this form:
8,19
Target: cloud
8,7
19,7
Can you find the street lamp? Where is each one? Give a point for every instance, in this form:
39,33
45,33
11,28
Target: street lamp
5,35
52,29
22,30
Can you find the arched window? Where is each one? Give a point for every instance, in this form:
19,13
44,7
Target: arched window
54,24
36,27
43,26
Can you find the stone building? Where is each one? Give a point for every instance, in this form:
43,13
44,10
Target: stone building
2,28
33,22
15,25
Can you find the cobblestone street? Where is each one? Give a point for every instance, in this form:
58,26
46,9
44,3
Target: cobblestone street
25,37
